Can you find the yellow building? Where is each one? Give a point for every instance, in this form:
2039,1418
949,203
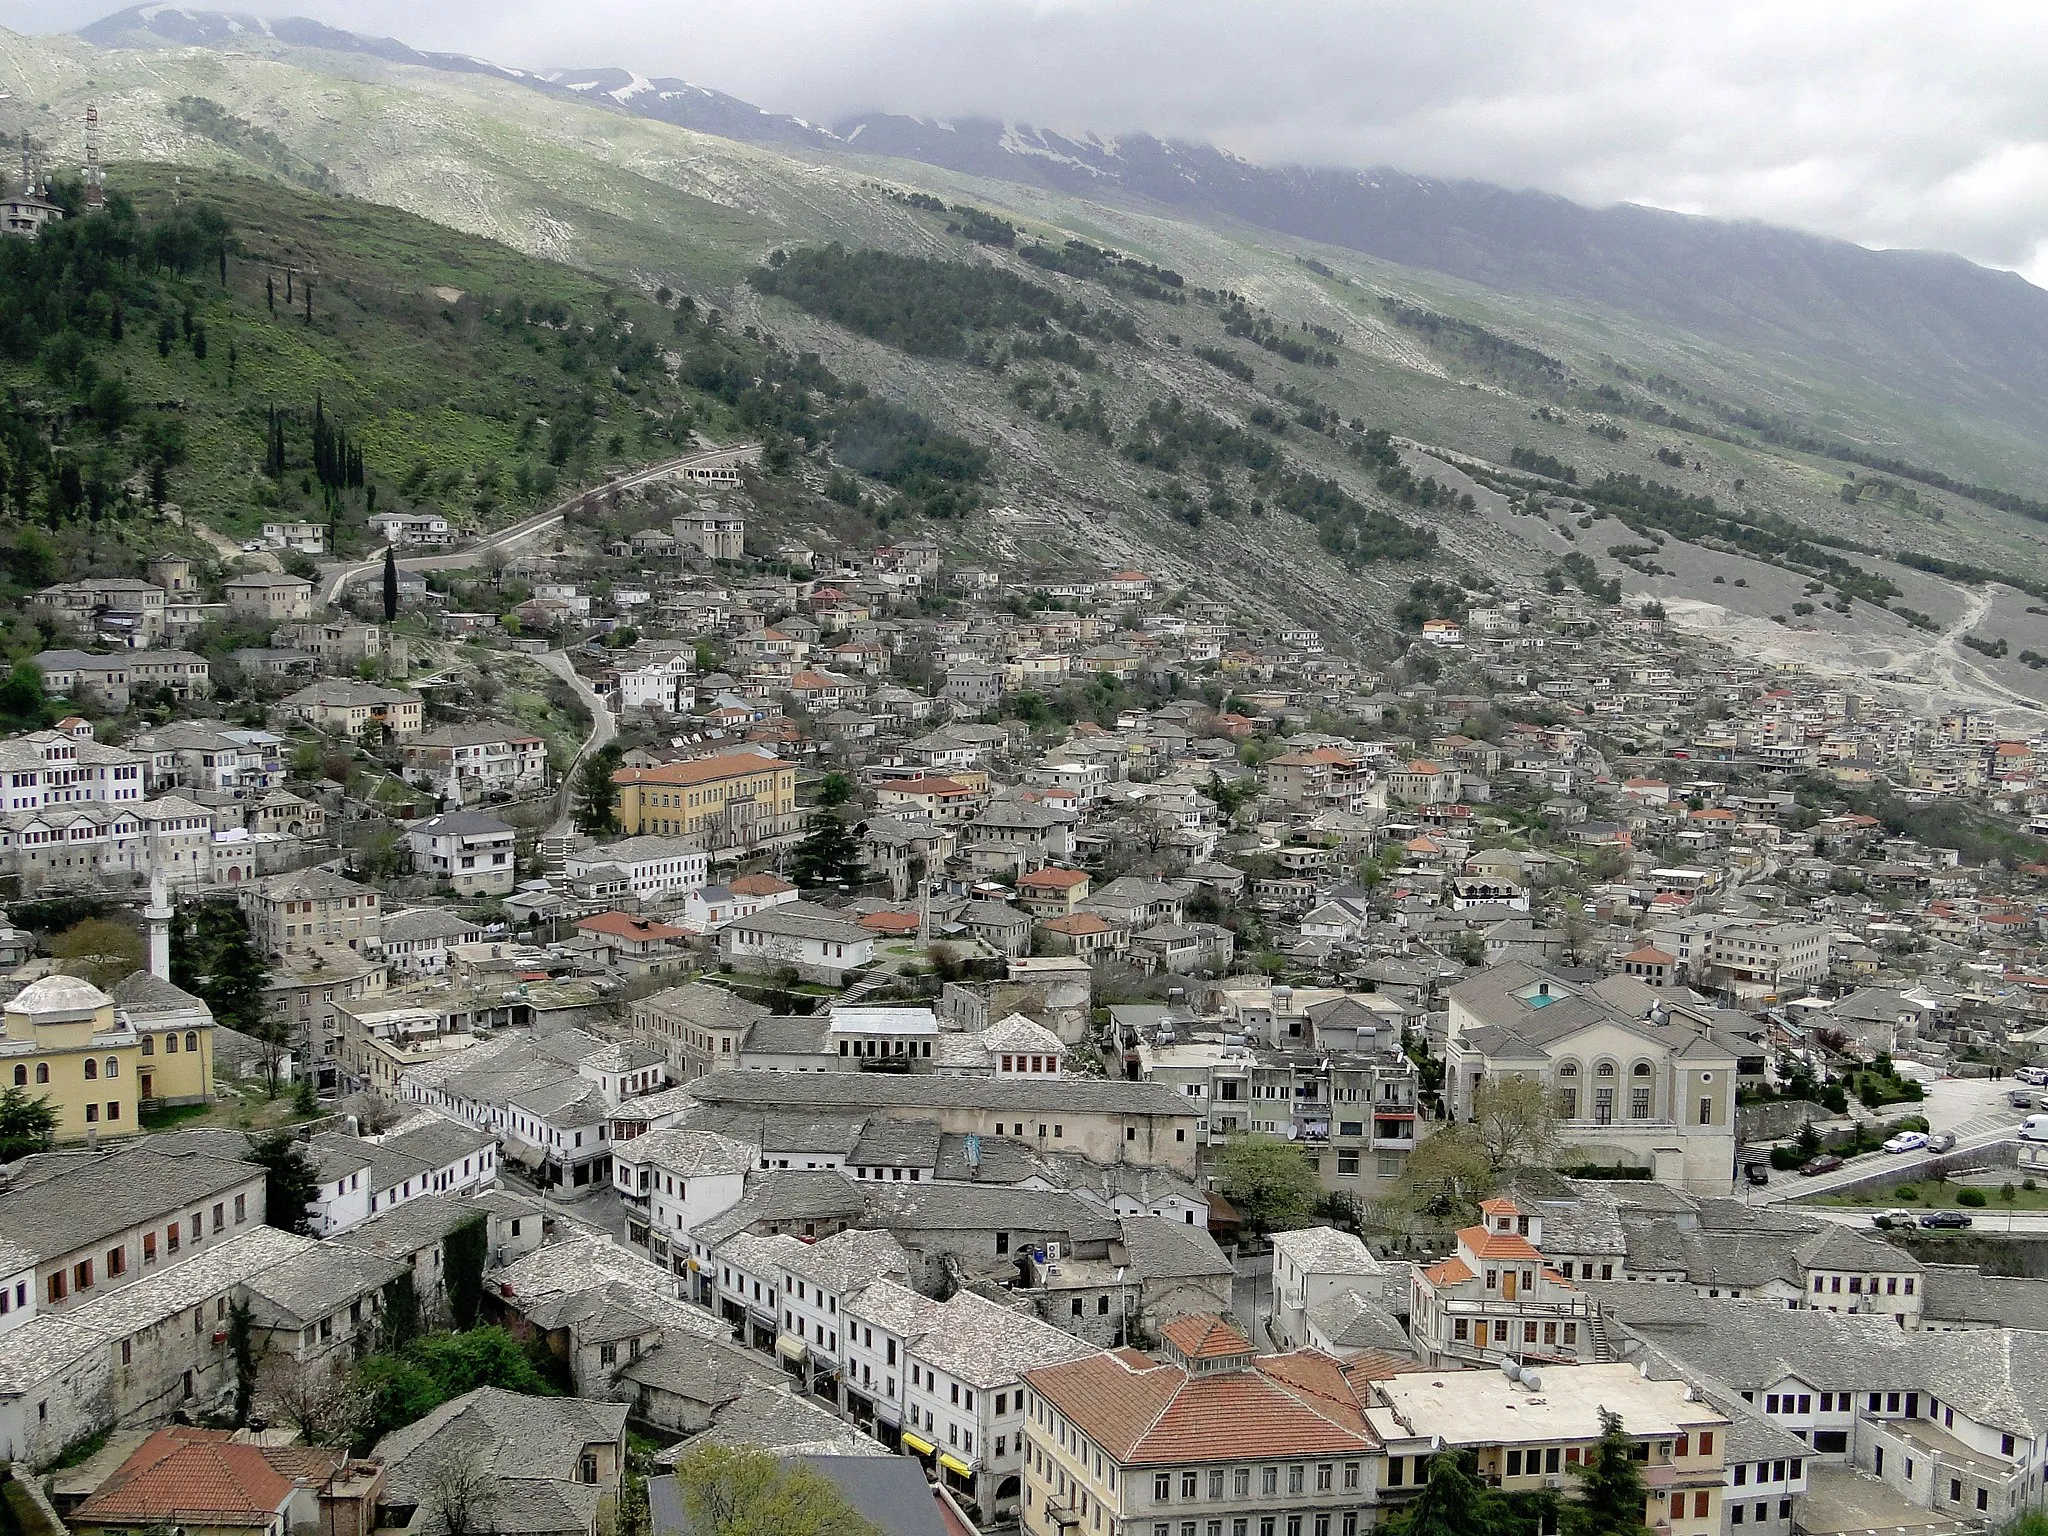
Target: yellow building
66,1042
733,803
176,1031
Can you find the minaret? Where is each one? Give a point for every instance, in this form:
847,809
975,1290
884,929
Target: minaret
158,915
95,198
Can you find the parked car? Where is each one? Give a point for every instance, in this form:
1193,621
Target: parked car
1945,1219
2034,1128
1827,1162
1757,1173
1893,1218
1941,1141
1907,1141
2020,1100
2038,1076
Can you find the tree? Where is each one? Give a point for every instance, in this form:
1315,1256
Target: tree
401,1388
242,1347
1268,1180
461,1492
390,582
1448,1174
1517,1121
835,789
596,800
214,958
464,1253
1453,1503
317,1398
1611,1495
828,855
732,1491
23,704
290,1181
26,1125
102,952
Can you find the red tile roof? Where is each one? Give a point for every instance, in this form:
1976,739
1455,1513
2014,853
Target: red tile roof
1145,1412
190,1476
624,925
700,770
1497,1245
1051,877
759,885
1204,1336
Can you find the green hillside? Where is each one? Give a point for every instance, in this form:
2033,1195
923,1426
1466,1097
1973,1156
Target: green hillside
180,347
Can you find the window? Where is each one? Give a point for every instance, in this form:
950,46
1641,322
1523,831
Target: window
1187,1484
1241,1484
1269,1480
1297,1478
92,1069
1216,1482
1325,1477
1162,1485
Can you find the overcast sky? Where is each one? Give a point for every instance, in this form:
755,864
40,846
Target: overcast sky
1890,122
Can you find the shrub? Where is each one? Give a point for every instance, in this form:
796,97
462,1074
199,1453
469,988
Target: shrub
1906,1192
1973,1198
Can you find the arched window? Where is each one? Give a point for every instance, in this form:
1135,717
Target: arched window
171,1043
191,1039
42,1071
149,1045
1642,1069
113,1066
21,1077
1569,1069
1606,1069
92,1069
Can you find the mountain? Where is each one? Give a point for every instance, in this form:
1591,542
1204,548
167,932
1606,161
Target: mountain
1961,347
1275,387
157,25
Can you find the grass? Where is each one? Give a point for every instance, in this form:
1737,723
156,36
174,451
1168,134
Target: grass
1929,1195
173,1117
235,1107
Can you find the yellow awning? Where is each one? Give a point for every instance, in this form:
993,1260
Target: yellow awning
917,1444
789,1347
954,1464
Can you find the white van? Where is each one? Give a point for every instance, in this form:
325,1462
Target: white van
2034,1128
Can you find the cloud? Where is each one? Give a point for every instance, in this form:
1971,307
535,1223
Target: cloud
1893,122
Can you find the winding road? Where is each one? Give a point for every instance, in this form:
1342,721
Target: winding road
334,579
603,727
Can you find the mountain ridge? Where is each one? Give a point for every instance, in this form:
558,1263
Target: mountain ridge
1962,345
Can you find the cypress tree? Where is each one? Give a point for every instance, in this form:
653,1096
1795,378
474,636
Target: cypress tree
390,582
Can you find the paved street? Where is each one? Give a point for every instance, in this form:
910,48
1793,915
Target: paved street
1975,1109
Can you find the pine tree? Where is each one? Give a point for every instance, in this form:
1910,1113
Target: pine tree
828,855
1611,1495
270,291
1453,1503
390,582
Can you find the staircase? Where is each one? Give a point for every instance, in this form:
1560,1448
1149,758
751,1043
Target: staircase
1596,1328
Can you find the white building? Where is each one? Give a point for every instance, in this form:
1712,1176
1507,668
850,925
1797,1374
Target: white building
664,684
655,868
466,849
675,1180
424,529
417,940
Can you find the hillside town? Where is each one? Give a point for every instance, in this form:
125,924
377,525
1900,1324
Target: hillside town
1047,1049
